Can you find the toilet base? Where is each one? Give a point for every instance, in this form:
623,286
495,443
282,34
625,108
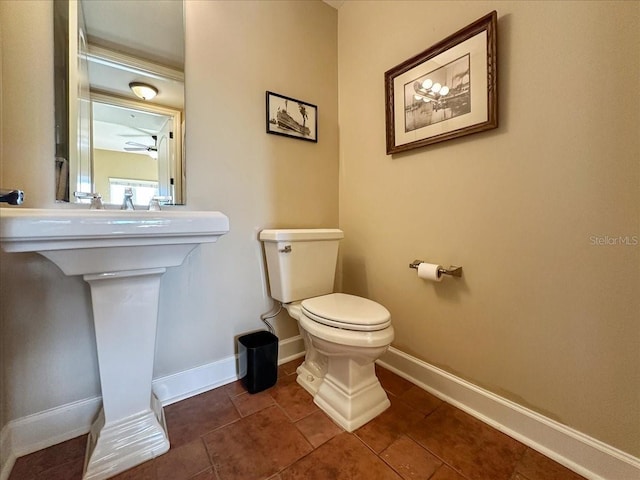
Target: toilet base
351,406
312,371
307,380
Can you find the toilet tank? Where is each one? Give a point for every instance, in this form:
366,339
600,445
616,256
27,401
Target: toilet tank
301,262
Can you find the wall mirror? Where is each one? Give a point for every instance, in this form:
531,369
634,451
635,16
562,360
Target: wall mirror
108,138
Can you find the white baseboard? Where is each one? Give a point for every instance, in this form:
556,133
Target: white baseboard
584,455
41,430
289,349
182,385
7,457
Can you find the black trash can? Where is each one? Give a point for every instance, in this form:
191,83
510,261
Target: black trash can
258,360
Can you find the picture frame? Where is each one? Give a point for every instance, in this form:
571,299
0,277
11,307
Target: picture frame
290,117
464,67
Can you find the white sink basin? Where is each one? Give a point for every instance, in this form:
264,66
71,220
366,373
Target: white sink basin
75,239
122,255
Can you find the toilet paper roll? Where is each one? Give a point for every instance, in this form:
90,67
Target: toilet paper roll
430,271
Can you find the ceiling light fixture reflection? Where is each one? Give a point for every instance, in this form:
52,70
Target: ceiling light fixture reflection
430,91
143,91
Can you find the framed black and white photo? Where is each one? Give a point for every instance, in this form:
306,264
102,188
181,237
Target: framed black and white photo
291,117
445,92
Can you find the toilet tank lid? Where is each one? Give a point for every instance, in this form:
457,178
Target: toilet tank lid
301,234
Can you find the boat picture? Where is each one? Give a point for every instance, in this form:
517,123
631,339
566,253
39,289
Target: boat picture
286,122
291,117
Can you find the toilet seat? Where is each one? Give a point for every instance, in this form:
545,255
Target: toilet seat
347,338
348,312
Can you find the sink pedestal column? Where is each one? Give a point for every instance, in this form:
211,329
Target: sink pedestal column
131,427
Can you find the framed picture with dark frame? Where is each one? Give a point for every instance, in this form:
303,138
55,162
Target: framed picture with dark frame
291,117
446,91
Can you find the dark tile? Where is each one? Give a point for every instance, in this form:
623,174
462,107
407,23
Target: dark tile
343,457
535,466
181,463
287,372
410,460
234,388
256,446
30,466
284,379
392,382
294,400
191,418
421,400
318,428
206,475
67,471
290,368
248,403
471,447
383,430
446,473
144,471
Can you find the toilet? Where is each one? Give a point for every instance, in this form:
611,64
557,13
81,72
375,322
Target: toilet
343,334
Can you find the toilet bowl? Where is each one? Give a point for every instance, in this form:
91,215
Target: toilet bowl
351,333
314,367
343,334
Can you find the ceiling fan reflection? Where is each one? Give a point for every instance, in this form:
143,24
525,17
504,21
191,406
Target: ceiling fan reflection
152,150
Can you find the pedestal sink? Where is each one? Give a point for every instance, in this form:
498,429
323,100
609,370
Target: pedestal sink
122,255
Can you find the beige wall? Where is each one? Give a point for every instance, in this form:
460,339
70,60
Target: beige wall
235,52
542,316
27,99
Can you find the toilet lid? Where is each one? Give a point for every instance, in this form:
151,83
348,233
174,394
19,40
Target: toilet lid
347,311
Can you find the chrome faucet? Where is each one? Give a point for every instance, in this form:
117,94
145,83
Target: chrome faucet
12,197
127,203
96,199
154,204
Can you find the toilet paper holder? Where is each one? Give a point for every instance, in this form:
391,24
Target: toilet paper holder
452,271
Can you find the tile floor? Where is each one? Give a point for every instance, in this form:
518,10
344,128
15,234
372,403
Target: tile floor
280,434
